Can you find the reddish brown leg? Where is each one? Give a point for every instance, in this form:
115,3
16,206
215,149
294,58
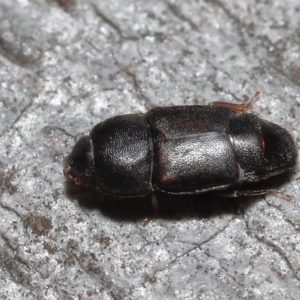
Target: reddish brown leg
239,107
281,194
247,193
154,203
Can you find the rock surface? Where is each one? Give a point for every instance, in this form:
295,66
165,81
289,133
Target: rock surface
66,65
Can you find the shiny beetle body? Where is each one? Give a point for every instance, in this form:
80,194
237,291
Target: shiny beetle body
181,150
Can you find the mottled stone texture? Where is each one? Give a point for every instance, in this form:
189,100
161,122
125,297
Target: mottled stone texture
66,65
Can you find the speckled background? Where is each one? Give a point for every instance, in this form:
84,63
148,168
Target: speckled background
67,65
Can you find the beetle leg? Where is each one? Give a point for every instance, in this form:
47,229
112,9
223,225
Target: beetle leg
278,193
239,107
282,195
154,203
238,193
246,193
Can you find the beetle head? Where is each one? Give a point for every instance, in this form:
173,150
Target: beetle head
79,165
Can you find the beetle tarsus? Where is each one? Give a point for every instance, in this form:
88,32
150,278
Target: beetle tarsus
146,221
282,195
239,107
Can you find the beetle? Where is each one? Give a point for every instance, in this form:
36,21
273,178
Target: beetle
182,150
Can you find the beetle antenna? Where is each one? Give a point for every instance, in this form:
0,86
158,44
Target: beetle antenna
239,107
252,100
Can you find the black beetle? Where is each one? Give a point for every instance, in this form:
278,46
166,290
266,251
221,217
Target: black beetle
182,150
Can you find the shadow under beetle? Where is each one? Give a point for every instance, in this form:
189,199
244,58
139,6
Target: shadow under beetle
182,150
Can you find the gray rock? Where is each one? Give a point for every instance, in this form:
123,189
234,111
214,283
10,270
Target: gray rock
66,65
